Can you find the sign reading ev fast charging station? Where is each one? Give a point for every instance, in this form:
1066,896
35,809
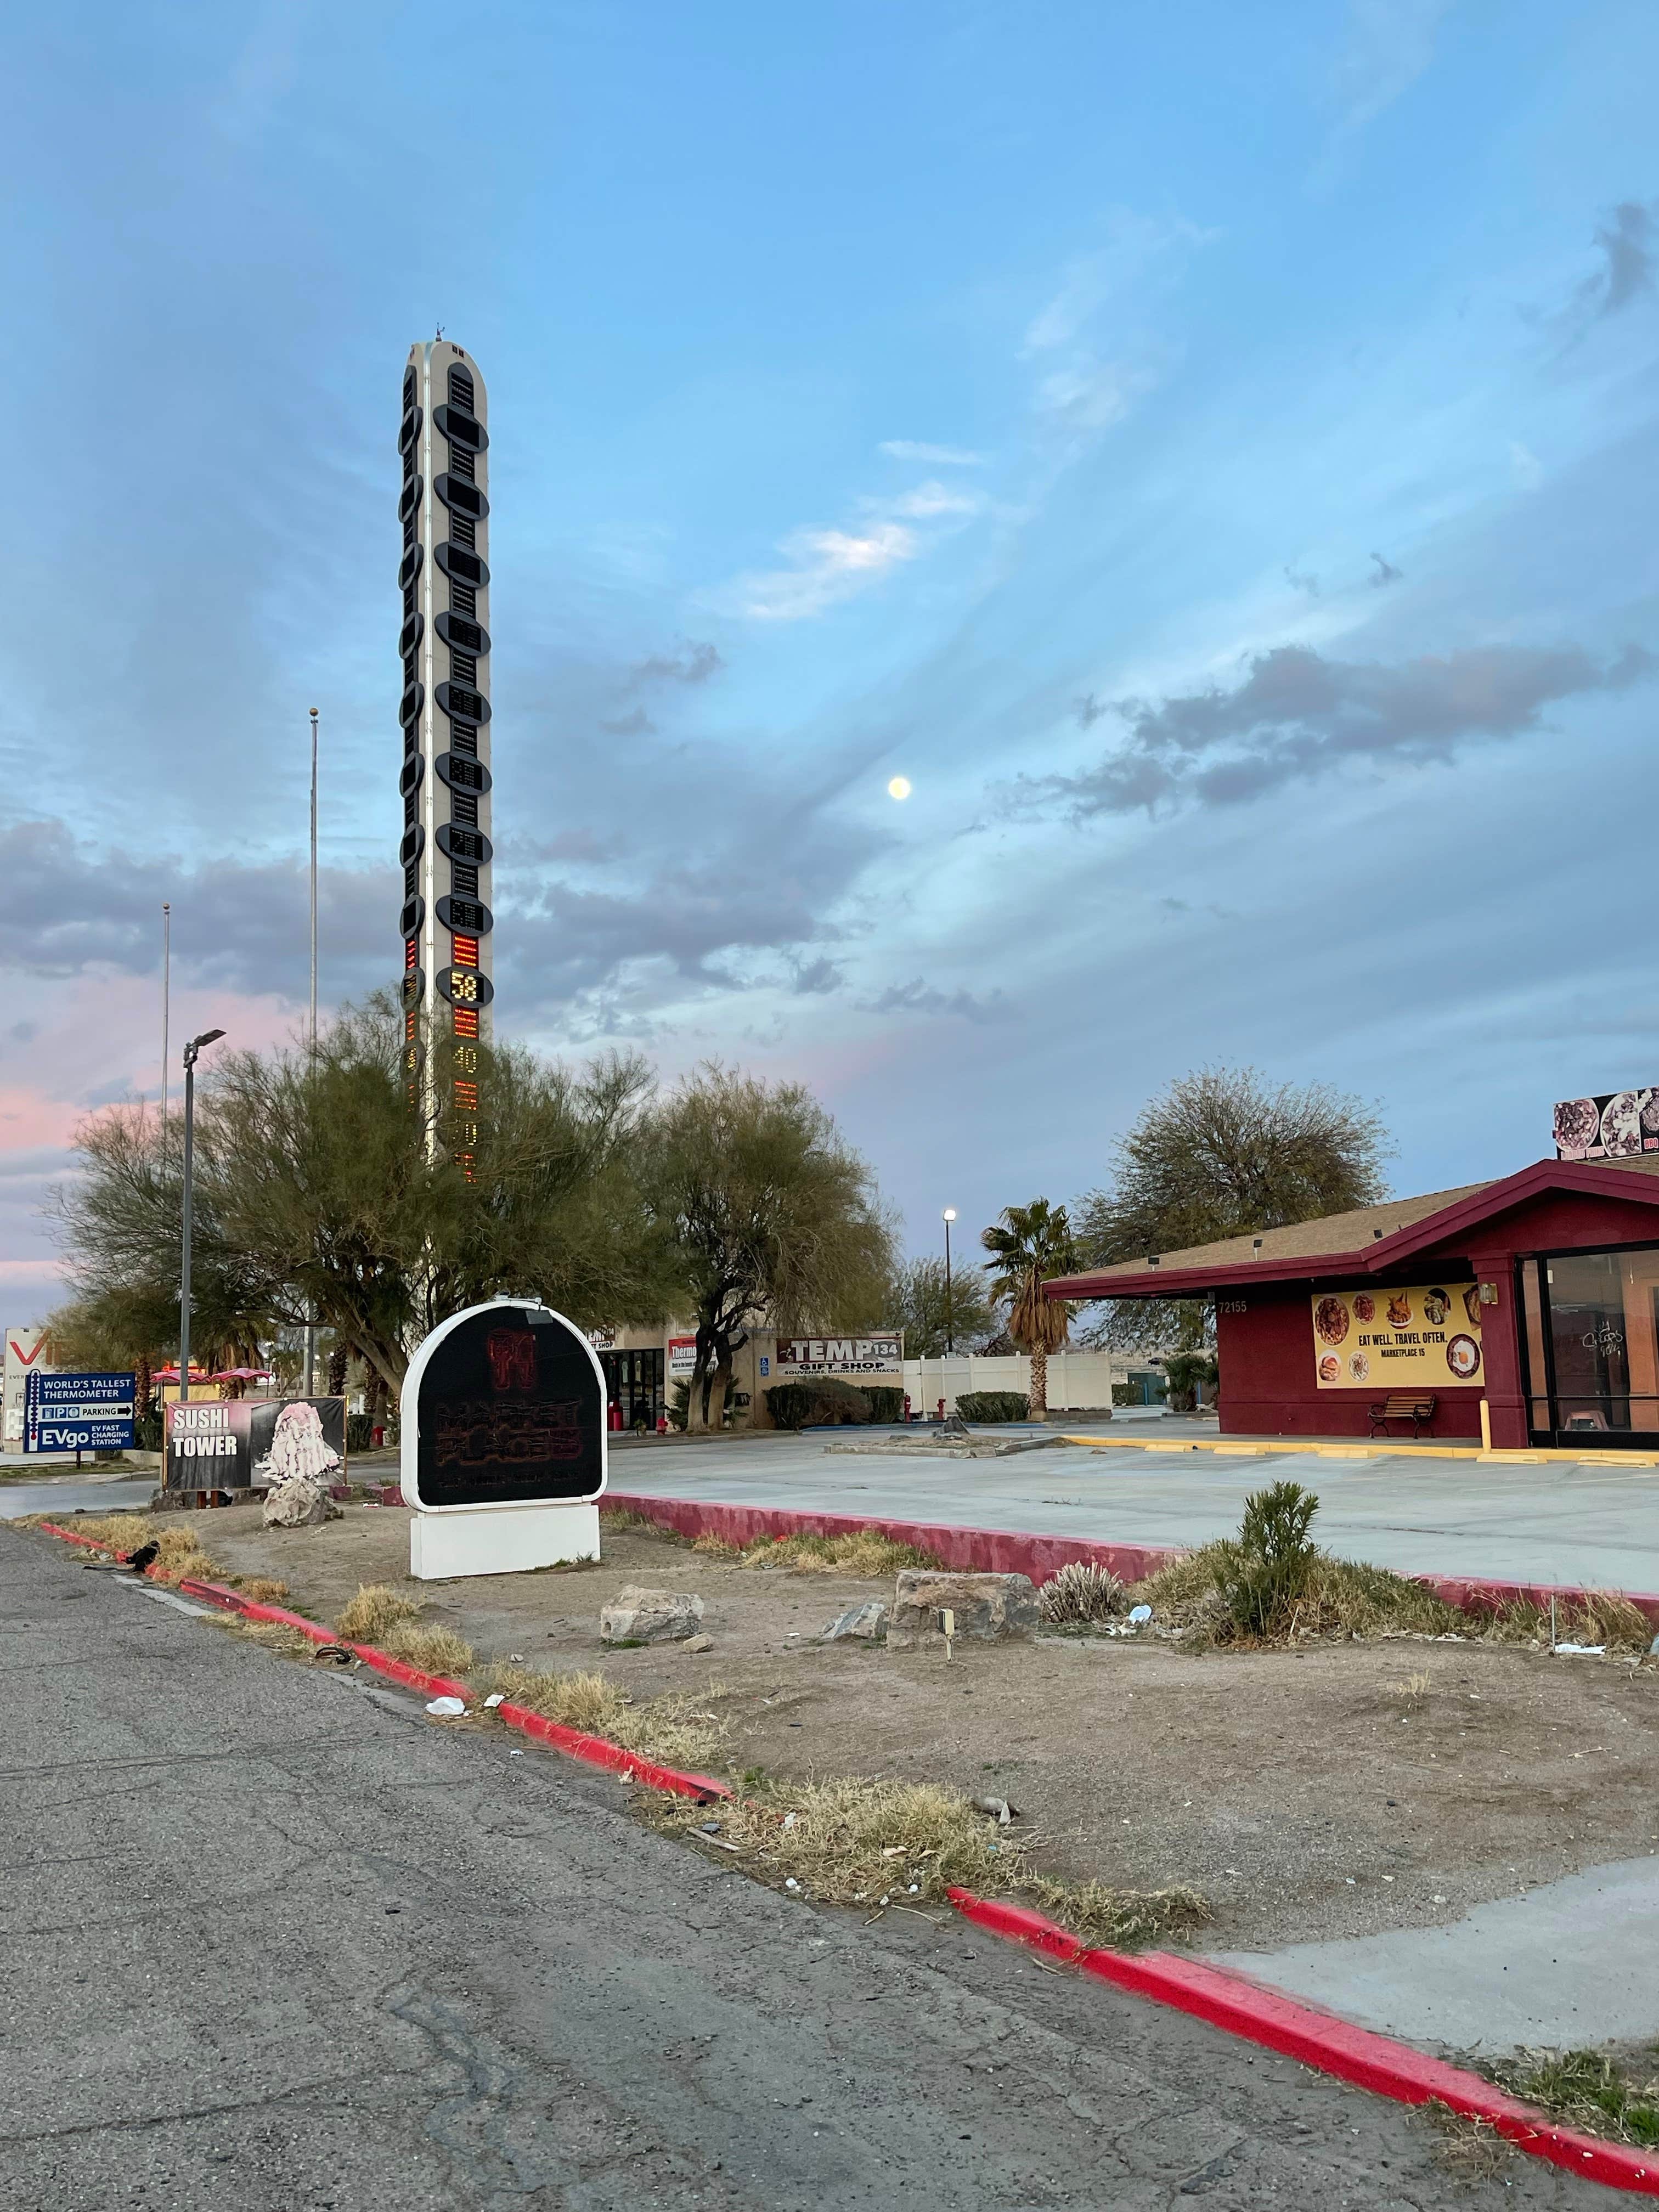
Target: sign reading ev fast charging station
79,1412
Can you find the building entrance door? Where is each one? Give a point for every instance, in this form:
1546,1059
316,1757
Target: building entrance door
634,1385
1591,1333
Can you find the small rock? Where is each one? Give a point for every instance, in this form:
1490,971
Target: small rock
866,1622
650,1616
988,1609
698,1643
301,1502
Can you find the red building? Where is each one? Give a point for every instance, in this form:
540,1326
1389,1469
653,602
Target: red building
1539,1293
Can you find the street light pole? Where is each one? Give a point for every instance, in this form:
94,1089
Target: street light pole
949,1334
311,1313
191,1049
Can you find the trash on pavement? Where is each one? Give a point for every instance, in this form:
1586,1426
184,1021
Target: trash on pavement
145,1556
335,1654
495,1698
1580,1650
1140,1613
447,1709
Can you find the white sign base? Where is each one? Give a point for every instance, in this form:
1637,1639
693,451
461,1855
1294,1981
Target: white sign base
500,1539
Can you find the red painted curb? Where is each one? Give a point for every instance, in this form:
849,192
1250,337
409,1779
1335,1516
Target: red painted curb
1318,2038
970,1550
1003,1551
598,1750
593,1750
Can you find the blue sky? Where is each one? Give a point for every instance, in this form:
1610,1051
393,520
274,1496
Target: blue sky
1211,452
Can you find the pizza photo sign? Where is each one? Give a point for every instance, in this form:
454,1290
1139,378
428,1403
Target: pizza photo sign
1423,1336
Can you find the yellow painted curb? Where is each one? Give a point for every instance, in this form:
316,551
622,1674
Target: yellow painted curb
1375,1450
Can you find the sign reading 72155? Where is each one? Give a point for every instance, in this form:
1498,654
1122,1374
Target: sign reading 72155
79,1412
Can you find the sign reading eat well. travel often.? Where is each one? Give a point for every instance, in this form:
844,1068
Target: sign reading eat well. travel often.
1420,1337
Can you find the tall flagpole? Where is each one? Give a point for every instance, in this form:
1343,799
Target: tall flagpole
311,1310
167,989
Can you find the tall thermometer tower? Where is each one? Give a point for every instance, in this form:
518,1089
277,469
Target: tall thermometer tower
445,645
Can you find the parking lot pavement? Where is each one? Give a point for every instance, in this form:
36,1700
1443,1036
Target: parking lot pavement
1569,1963
1554,1522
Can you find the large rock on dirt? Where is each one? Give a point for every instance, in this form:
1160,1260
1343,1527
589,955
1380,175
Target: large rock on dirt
650,1616
867,1622
301,1502
989,1608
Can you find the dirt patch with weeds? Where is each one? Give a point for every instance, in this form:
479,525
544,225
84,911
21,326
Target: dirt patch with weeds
1331,1788
1612,2093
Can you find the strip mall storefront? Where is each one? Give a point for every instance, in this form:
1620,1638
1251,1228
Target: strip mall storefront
1538,1293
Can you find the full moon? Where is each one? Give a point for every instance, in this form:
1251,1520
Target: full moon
899,787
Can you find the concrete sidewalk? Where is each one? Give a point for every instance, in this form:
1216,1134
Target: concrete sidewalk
1572,1524
1568,1964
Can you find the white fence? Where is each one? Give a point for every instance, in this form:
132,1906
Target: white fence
1079,1382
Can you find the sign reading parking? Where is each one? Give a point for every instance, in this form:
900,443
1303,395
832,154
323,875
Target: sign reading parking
79,1412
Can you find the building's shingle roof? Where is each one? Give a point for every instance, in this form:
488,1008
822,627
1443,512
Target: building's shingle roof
1330,1233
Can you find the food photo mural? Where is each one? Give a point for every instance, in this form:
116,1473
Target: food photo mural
1611,1125
1393,1338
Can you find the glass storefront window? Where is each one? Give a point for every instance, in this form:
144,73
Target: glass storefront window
1592,1342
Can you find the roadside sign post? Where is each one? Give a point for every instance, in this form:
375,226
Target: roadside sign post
504,1447
66,1413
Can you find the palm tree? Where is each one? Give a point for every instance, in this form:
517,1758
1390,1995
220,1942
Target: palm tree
1028,1243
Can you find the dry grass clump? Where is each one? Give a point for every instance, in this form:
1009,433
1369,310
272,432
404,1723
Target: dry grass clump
1606,1617
1080,1591
1586,2089
269,1635
1340,1597
844,1841
264,1589
433,1650
1472,2151
715,1547
1123,1919
177,1541
374,1613
674,1731
863,1551
847,1841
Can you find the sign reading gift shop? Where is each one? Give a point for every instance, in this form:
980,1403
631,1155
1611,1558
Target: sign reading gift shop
503,1441
880,1354
1425,1337
253,1444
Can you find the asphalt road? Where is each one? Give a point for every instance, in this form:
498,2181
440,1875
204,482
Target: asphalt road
271,1939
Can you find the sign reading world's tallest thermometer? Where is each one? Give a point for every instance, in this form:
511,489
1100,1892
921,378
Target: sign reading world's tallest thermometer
446,852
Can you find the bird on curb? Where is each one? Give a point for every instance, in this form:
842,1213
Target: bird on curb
143,1557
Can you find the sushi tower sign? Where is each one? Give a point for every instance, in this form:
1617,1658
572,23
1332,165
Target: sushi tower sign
444,643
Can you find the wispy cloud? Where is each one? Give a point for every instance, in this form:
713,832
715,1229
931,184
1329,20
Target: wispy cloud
828,565
1297,715
1093,354
1384,573
939,457
1628,243
917,997
693,661
1386,46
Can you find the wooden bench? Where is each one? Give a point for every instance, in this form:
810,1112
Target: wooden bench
1418,1411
